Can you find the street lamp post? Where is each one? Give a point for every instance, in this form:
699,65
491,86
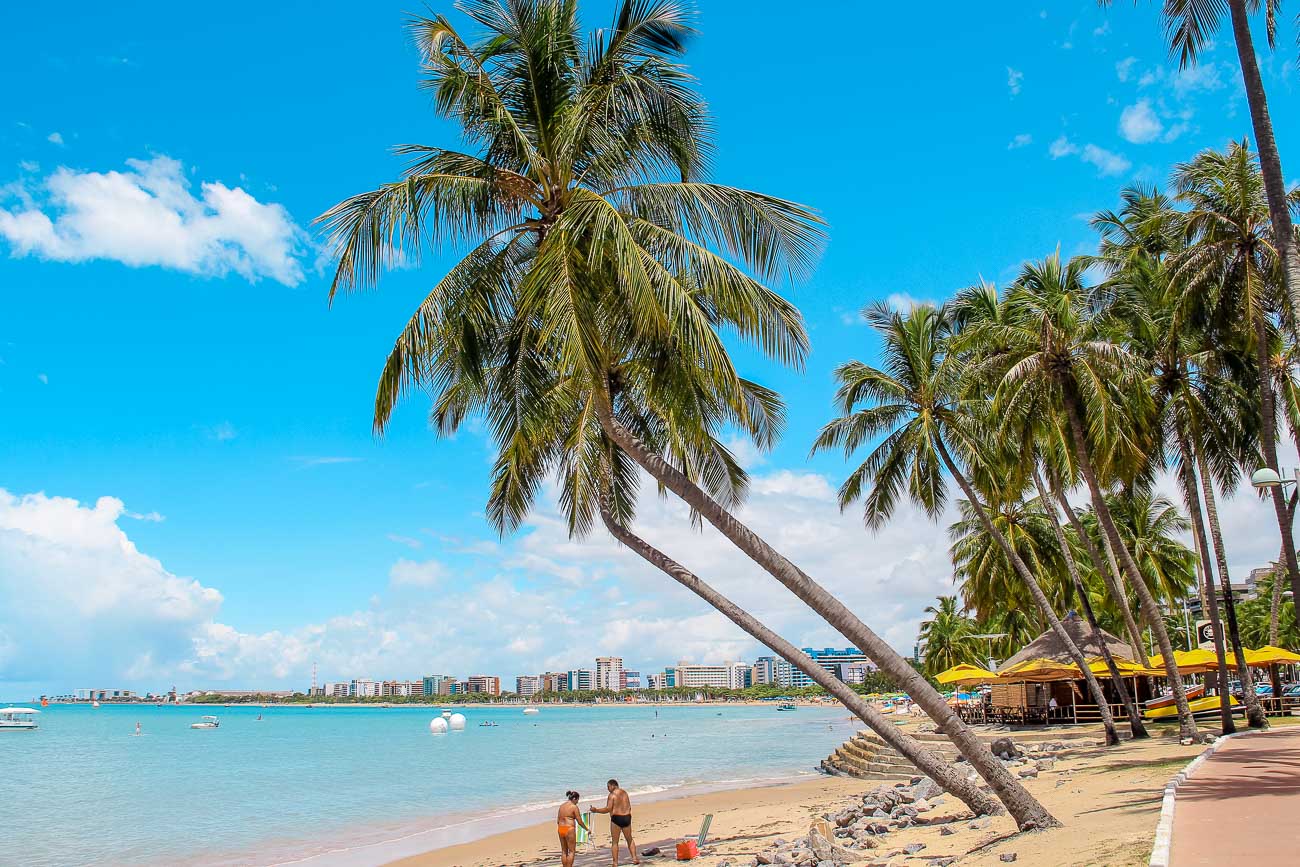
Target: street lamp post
1268,479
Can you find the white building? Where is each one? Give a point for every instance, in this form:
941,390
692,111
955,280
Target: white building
529,685
729,675
856,672
656,680
582,679
609,673
364,687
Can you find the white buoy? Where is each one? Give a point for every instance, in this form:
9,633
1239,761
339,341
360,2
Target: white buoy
457,722
438,726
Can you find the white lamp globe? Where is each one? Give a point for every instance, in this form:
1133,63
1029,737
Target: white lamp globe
438,726
1265,478
457,722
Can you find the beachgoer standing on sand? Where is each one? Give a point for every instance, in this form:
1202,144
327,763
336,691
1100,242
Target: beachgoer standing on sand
566,824
619,807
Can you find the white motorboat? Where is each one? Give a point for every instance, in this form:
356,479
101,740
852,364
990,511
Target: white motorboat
18,719
446,714
209,722
531,710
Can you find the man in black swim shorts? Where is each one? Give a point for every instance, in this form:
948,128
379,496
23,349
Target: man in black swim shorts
619,807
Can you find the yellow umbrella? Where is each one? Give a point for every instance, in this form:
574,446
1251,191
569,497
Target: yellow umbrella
1040,670
1126,668
1189,661
1270,655
966,674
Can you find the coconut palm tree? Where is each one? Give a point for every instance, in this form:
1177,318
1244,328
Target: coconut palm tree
948,637
915,401
988,580
604,266
1230,266
1190,27
1054,358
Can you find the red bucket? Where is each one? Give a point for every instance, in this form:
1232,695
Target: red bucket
687,850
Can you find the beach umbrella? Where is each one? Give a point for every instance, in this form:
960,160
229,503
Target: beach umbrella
1039,671
1270,655
964,674
1126,668
1190,661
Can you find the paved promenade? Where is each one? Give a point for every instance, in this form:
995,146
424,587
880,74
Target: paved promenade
1242,806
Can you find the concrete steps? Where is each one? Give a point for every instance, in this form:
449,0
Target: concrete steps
866,756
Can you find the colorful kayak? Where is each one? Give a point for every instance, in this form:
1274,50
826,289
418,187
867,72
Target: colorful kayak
1206,704
1193,692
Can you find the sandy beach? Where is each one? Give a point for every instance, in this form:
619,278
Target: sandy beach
1108,799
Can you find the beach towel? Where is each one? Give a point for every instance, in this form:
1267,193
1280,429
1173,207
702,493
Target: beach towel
583,835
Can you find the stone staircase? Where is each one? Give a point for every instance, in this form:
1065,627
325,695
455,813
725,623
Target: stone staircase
866,756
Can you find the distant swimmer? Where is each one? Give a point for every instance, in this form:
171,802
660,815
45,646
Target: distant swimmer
566,825
137,730
259,718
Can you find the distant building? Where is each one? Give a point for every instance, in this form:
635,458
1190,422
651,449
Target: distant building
582,679
609,673
855,673
337,690
431,684
729,675
364,687
555,681
483,683
631,679
656,680
105,695
830,659
529,685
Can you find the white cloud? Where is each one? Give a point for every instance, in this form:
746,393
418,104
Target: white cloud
29,165
903,302
44,378
149,216
405,540
409,573
322,460
1020,141
1107,162
1103,29
151,517
222,432
1200,78
1062,147
1014,79
852,317
54,138
1124,68
1139,124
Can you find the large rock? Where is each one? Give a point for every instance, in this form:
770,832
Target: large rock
926,790
825,850
1005,748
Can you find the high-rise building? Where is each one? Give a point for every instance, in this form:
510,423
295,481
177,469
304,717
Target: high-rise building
483,683
529,685
856,672
432,683
631,679
582,679
830,659
609,673
763,671
363,687
657,680
555,681
729,675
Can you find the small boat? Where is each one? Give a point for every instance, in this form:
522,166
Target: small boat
209,722
18,719
787,707
1206,705
446,714
531,710
1193,692
94,704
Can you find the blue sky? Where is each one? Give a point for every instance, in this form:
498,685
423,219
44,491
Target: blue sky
165,340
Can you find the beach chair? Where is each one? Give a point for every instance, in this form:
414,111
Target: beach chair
704,830
582,836
691,848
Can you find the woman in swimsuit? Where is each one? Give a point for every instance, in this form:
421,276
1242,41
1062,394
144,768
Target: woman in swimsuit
565,823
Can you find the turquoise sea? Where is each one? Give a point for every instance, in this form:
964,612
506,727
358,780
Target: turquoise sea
358,785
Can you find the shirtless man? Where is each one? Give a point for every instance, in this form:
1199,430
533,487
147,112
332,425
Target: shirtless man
566,824
619,807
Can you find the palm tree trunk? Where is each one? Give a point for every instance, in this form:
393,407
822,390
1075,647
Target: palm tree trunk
1254,713
1109,575
1268,444
1134,717
1040,598
1150,610
1027,811
1270,162
1275,600
931,764
1192,499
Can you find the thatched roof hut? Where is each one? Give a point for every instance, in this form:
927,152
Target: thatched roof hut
1049,645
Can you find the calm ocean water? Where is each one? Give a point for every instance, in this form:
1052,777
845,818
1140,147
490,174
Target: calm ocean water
84,790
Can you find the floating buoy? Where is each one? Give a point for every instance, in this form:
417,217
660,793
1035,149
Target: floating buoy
457,722
438,726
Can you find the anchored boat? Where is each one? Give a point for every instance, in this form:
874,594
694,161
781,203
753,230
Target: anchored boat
209,722
18,719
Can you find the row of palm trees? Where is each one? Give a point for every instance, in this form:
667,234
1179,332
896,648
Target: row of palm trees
585,323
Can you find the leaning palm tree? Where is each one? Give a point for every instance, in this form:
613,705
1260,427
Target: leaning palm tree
602,264
1190,27
948,636
916,402
1052,357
